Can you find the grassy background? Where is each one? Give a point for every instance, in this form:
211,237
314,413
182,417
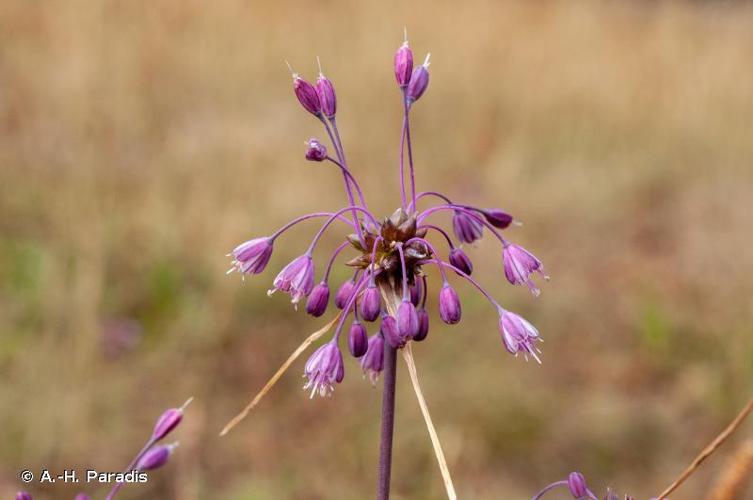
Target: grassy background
140,141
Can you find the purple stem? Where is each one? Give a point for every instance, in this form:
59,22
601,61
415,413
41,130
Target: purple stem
432,193
348,306
405,273
352,179
466,210
130,467
332,259
439,230
332,218
402,161
475,283
541,493
303,218
388,423
410,151
441,270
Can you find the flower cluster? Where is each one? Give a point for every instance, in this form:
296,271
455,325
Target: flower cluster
392,253
152,456
576,483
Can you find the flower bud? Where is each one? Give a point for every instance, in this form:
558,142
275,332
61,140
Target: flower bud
155,457
316,304
307,96
169,421
467,227
358,341
415,293
407,320
370,303
576,482
418,82
460,260
315,150
326,93
82,496
498,218
23,495
403,64
344,293
372,362
449,305
390,333
423,325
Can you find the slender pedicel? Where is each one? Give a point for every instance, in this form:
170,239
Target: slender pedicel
352,180
332,219
306,217
332,258
451,206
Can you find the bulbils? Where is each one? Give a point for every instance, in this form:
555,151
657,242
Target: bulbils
419,81
358,341
315,150
316,304
460,260
371,303
449,305
467,227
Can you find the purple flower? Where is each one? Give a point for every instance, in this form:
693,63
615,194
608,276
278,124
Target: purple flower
576,482
344,293
315,150
449,305
252,256
155,457
520,264
498,218
419,80
168,421
518,334
407,320
371,303
317,301
403,64
389,331
296,279
423,325
372,362
23,495
326,92
82,496
459,259
467,227
323,369
307,96
358,341
415,293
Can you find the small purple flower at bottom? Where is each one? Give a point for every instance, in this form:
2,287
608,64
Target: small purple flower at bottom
296,279
467,228
518,334
520,264
372,362
323,369
252,256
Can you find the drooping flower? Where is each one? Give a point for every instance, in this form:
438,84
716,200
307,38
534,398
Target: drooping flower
403,64
407,320
520,264
419,80
358,340
296,279
467,227
518,334
252,256
316,304
323,369
498,218
315,150
371,303
449,305
390,332
576,482
344,293
156,457
372,362
423,325
459,259
326,92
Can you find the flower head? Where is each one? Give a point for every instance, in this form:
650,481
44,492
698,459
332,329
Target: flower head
520,264
252,256
296,279
518,334
323,369
372,362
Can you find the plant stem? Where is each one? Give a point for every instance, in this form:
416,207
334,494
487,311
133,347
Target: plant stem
388,422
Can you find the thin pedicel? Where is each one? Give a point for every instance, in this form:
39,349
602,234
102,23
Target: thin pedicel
390,263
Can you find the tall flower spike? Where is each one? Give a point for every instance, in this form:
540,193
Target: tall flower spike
520,264
316,305
306,94
323,369
252,256
326,93
518,334
296,279
315,150
419,80
467,228
372,362
403,64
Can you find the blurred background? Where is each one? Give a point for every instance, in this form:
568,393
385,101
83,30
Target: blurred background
141,141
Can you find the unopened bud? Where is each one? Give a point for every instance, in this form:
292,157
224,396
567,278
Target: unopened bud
460,260
358,340
370,303
169,421
23,495
418,82
449,305
155,457
403,64
498,218
326,93
423,325
306,94
316,304
315,150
